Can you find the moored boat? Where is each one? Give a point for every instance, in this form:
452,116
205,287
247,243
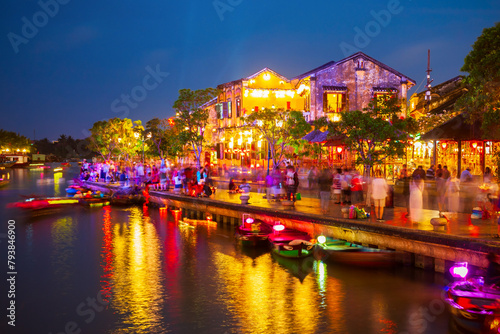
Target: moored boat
7,164
343,252
474,306
4,182
40,203
290,243
253,232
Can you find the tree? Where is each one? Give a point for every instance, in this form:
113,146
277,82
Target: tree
375,134
279,128
164,136
191,119
115,136
482,99
13,142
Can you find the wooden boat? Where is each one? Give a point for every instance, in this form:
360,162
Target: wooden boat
474,307
343,252
290,243
7,164
4,182
127,200
298,267
253,232
41,203
95,201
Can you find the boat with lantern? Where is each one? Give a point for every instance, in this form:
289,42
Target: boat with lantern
343,252
253,232
290,243
474,306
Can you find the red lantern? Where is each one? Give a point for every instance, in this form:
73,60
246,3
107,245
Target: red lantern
339,149
474,145
443,145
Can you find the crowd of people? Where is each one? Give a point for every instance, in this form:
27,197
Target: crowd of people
157,176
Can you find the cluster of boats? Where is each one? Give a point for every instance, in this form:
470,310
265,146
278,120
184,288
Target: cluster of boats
76,196
290,243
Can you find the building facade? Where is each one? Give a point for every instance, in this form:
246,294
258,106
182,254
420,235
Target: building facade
328,90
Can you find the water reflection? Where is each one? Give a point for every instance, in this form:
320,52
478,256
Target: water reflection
63,252
138,294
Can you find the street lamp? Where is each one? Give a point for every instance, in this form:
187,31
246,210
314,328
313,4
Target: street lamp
136,134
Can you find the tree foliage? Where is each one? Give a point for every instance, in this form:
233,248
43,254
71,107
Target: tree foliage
164,137
375,134
279,128
13,141
116,136
482,99
191,119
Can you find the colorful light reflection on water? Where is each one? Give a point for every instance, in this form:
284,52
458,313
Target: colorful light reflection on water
147,273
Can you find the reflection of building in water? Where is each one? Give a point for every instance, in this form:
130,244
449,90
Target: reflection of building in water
137,290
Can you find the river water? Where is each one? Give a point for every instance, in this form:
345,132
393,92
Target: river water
134,270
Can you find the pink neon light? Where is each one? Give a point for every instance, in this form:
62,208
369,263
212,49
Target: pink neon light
459,271
279,227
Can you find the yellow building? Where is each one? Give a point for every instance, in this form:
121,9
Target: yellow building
264,89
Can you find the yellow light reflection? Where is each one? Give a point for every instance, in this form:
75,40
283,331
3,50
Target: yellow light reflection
266,298
57,176
63,234
138,292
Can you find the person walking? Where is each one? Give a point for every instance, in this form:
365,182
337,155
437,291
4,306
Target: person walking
405,179
453,192
292,183
325,180
337,188
380,190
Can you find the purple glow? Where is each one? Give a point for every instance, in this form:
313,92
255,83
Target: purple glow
459,270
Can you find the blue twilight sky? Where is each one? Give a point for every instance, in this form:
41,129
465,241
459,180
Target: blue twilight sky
66,64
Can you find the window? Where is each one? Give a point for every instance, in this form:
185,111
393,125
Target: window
334,102
238,108
383,93
229,109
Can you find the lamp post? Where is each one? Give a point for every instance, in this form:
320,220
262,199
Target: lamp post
136,134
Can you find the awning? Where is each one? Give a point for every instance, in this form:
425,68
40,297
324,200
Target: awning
316,136
455,129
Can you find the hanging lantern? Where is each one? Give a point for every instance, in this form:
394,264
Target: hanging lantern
339,149
474,145
443,145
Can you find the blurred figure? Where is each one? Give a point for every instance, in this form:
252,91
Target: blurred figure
244,186
292,183
403,177
312,177
325,180
487,175
467,190
356,188
336,185
232,186
440,188
453,192
430,173
416,196
466,176
493,270
269,187
380,190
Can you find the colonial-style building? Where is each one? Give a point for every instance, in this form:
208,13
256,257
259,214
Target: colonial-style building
337,86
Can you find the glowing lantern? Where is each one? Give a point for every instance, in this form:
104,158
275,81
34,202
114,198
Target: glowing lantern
459,270
339,149
321,239
278,227
474,145
443,145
